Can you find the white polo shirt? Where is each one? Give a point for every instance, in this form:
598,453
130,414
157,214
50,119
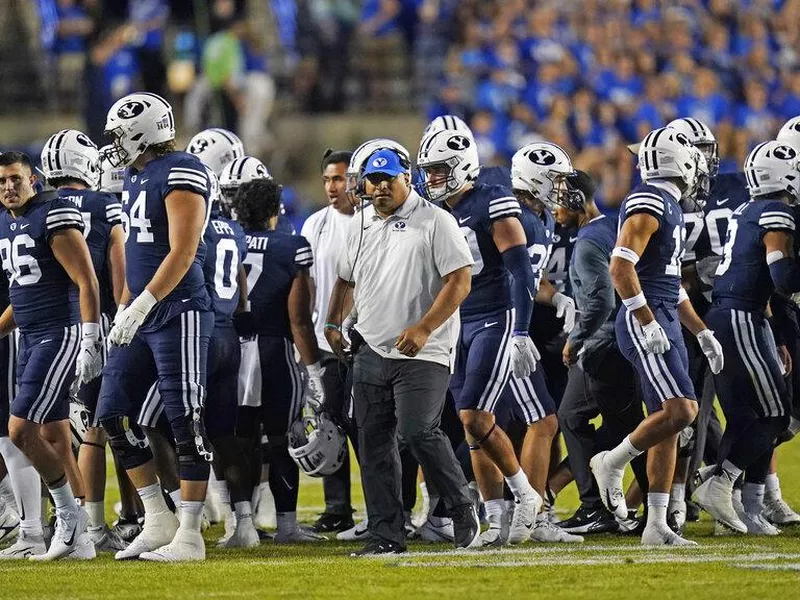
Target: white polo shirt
399,265
326,231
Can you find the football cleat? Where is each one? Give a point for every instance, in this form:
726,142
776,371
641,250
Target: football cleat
524,520
298,535
408,525
590,520
25,547
676,514
158,531
777,512
715,496
428,532
631,525
244,536
375,547
105,539
127,528
70,526
186,546
84,549
609,481
330,523
466,527
9,523
545,531
360,531
493,537
757,525
660,535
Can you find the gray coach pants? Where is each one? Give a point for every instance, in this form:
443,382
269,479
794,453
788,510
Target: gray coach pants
400,402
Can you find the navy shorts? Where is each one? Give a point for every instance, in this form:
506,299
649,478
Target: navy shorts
175,357
751,383
662,376
528,399
89,393
8,376
272,380
45,371
483,362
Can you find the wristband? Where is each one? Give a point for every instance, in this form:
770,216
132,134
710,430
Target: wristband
625,254
333,326
90,330
637,301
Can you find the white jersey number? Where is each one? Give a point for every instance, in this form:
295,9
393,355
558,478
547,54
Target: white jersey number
225,282
23,267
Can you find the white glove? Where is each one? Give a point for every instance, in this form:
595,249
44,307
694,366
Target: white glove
128,320
524,355
655,338
315,393
712,349
565,307
90,358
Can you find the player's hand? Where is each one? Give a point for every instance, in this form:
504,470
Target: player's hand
712,349
565,308
568,355
128,320
337,342
786,360
315,393
411,340
524,355
655,338
90,358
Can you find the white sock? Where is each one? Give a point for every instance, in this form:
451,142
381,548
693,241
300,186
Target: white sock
519,484
657,503
191,515
731,470
175,496
624,453
62,496
220,488
772,486
7,492
243,510
27,486
678,493
152,499
495,511
753,497
97,514
287,521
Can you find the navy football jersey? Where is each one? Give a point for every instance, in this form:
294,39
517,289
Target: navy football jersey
100,212
494,176
539,241
706,231
272,262
743,275
477,210
41,292
659,267
143,202
225,251
558,265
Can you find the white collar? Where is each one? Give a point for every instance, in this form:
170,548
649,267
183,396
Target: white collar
668,187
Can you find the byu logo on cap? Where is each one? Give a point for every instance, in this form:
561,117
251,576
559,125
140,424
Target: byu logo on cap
399,225
379,162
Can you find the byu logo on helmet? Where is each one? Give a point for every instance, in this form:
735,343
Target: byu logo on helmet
379,162
199,145
130,110
542,157
784,153
458,142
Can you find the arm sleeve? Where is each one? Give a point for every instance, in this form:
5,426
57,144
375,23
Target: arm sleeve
523,285
450,249
596,298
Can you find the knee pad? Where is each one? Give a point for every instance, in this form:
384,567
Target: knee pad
476,445
127,441
195,452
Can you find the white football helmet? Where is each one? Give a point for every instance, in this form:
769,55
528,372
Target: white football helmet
137,121
666,152
790,133
452,155
541,169
240,171
78,423
317,445
355,185
111,178
702,138
70,153
216,147
773,167
448,123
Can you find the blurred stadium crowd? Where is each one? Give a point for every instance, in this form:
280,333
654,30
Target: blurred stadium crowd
593,75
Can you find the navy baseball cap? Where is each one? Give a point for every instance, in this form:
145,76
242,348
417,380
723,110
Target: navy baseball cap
384,161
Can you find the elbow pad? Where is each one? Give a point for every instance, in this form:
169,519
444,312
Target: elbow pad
785,273
523,288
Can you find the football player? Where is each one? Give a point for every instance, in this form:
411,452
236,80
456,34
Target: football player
279,296
494,340
70,164
163,328
646,272
758,256
52,288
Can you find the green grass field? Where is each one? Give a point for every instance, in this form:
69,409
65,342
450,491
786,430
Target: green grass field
604,567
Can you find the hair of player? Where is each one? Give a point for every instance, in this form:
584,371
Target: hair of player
162,148
336,157
256,202
57,182
584,182
12,158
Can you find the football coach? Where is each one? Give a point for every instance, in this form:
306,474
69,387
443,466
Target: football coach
407,268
